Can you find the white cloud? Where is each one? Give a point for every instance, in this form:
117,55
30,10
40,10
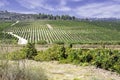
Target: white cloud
63,2
31,4
105,9
116,0
98,10
64,8
24,12
74,0
3,3
77,0
37,4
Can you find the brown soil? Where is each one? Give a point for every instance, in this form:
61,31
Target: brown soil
56,71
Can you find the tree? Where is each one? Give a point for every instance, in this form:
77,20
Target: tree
54,17
30,50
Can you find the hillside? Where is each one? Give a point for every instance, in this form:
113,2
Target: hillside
61,31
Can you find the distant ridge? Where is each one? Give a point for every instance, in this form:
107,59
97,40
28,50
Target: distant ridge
6,15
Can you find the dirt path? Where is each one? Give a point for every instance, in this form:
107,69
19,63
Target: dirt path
21,40
15,23
49,26
56,71
90,46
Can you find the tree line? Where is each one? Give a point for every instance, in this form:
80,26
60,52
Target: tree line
54,17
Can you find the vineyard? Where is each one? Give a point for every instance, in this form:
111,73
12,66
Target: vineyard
67,31
4,37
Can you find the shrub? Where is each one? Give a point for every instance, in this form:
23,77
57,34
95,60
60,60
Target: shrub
42,42
17,55
116,67
57,52
41,56
70,45
72,55
59,42
102,58
61,53
89,56
30,50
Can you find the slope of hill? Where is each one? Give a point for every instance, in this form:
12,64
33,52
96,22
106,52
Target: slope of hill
94,32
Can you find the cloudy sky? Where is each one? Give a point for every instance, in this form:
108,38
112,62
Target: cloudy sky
79,8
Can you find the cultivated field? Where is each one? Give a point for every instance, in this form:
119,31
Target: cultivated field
68,31
4,37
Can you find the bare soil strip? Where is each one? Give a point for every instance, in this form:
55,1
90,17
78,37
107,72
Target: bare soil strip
21,40
49,26
88,46
15,23
56,71
12,48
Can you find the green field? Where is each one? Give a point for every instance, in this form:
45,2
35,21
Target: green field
68,31
4,37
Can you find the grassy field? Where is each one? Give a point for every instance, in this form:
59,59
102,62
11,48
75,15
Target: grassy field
68,31
32,70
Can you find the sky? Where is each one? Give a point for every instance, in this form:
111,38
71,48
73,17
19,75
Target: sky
78,8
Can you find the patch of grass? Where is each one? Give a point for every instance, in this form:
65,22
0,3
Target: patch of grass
19,70
77,79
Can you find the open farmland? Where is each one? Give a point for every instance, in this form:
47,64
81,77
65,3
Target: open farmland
68,31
